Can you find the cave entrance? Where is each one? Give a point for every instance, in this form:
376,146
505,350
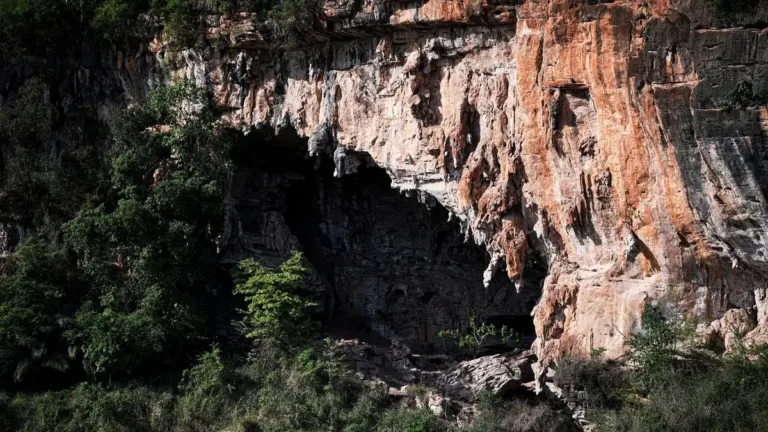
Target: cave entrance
386,264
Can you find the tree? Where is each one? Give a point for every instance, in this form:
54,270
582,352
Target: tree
653,348
148,248
276,310
43,181
30,27
111,19
34,297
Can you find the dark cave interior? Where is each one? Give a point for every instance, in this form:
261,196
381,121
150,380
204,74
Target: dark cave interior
385,264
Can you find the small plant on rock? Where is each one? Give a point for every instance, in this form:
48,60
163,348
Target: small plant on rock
743,96
477,334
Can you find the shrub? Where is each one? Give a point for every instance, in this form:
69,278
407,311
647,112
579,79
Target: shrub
276,309
111,19
498,415
148,250
34,295
600,384
742,97
472,341
291,18
654,350
39,179
30,27
90,407
410,421
367,411
310,392
730,398
216,395
181,21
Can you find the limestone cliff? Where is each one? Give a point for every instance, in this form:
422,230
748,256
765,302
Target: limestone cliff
599,136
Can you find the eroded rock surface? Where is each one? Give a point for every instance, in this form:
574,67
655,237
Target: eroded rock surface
498,374
728,331
590,134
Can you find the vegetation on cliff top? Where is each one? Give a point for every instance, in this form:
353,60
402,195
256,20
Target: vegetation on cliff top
35,29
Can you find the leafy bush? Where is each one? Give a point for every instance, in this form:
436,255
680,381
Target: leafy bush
601,384
148,250
90,407
742,97
673,389
34,294
31,27
291,18
410,421
730,398
42,183
276,309
181,18
111,19
497,415
473,340
654,350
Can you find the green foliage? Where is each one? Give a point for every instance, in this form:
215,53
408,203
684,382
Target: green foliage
291,18
148,251
207,376
216,395
42,182
309,394
366,413
39,30
474,339
269,393
601,384
671,388
31,27
91,407
410,421
276,309
742,97
653,350
596,353
181,19
730,398
497,415
34,294
111,19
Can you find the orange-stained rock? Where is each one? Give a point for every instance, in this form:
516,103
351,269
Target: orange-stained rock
589,136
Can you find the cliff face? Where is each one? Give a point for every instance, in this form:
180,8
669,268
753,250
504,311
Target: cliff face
596,135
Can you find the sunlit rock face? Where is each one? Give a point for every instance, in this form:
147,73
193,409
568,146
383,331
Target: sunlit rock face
593,134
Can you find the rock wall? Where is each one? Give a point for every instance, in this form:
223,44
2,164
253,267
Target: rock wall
595,134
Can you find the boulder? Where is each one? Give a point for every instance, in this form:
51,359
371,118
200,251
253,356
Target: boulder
757,337
726,331
499,374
